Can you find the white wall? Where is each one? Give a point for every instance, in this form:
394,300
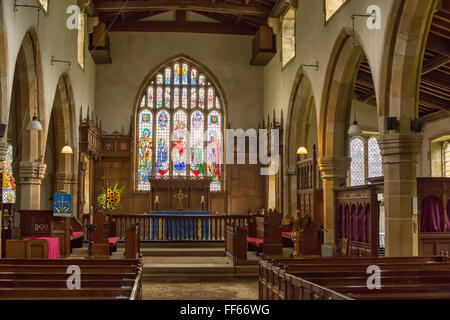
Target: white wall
134,55
315,42
55,39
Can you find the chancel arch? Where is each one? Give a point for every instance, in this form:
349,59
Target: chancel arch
61,167
179,125
28,145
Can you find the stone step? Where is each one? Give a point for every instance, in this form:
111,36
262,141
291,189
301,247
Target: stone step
183,252
178,244
205,268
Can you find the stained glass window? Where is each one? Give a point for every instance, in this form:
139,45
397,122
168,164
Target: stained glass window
176,79
374,158
159,97
214,149
193,98
145,149
447,160
184,74
8,181
176,97
150,97
162,144
210,98
201,98
167,97
197,131
194,77
180,140
357,168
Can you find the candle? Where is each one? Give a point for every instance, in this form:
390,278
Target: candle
91,217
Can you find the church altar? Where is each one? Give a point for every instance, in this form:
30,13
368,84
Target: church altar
166,226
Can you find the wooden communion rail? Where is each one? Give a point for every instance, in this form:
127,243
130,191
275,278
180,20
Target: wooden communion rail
175,228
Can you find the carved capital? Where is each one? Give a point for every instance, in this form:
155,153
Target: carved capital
396,148
66,178
31,172
333,167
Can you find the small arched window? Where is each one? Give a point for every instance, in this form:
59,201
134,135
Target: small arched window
8,181
180,126
446,153
357,166
374,158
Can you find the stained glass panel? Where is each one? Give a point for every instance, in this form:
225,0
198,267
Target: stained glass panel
193,98
143,102
374,158
214,149
197,131
168,73
217,103
159,97
184,74
176,97
210,98
167,97
184,98
201,98
8,181
357,170
162,146
179,140
145,149
201,80
176,76
193,77
159,79
150,97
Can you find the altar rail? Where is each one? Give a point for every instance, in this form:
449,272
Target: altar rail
175,228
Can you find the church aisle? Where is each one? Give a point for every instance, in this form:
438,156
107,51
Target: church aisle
227,290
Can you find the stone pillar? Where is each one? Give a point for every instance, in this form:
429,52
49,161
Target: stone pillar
399,153
29,184
334,173
290,194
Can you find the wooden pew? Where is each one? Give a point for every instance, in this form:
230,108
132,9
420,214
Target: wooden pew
236,245
47,279
264,233
133,241
346,278
76,234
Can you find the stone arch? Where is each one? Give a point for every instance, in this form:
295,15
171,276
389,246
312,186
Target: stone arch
334,116
61,168
29,146
301,118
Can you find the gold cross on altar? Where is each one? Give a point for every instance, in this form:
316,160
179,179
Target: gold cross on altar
180,196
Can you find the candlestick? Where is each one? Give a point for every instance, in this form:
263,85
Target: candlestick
91,217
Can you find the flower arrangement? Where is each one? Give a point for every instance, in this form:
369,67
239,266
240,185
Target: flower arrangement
110,197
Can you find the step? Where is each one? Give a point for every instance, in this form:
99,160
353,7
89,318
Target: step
183,252
205,268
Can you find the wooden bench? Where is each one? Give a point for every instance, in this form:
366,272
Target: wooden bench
264,234
346,278
47,279
76,234
236,245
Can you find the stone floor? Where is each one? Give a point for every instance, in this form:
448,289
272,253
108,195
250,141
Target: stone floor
230,290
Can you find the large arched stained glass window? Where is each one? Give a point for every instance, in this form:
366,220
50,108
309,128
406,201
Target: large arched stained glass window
357,168
180,127
374,158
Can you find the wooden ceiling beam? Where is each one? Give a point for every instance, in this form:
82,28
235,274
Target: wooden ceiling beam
183,5
191,26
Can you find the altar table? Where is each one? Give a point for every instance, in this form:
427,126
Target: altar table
187,228
53,246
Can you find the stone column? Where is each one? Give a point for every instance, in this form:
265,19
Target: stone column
334,173
29,184
290,194
399,153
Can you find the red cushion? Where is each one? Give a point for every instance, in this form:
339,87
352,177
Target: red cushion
287,234
113,240
257,241
76,234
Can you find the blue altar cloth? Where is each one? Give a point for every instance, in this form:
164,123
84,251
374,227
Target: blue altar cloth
195,228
